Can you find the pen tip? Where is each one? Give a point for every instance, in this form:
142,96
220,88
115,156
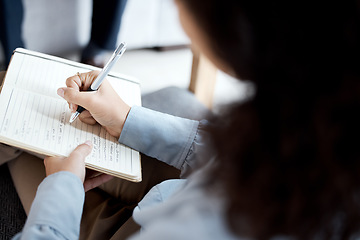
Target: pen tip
74,116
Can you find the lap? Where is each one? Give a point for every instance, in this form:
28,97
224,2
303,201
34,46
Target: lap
27,172
108,209
153,172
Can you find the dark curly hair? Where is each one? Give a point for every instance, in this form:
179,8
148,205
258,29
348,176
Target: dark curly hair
289,157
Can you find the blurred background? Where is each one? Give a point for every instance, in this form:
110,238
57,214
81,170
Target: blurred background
158,52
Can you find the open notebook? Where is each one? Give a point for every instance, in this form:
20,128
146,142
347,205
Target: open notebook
33,117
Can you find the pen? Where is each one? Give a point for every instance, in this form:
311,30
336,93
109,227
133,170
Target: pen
100,78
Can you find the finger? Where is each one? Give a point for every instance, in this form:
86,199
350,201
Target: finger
87,118
88,78
84,99
46,160
72,106
91,173
81,151
81,81
96,181
74,82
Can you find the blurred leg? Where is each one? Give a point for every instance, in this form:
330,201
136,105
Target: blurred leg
27,172
153,172
108,209
106,21
8,153
11,17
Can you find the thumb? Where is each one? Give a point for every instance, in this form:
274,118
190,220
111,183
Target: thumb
75,163
74,96
81,151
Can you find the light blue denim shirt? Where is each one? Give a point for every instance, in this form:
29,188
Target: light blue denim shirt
174,209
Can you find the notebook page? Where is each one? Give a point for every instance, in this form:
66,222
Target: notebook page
36,116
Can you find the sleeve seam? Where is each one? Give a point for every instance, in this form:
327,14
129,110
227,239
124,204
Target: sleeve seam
190,149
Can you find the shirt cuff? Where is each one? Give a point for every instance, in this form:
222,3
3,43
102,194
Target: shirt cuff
159,135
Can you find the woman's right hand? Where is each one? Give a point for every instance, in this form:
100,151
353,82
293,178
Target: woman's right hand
103,106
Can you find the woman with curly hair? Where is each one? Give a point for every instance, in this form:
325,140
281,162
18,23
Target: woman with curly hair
285,163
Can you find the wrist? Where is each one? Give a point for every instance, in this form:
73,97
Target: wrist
116,128
124,117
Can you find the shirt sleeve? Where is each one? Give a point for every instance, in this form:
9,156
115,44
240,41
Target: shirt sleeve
56,210
176,141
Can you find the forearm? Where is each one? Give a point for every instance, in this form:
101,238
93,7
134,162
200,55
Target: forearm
173,140
56,210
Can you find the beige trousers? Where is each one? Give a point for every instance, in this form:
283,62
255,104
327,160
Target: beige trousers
107,209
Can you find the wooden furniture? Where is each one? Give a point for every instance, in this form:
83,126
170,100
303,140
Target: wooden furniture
203,79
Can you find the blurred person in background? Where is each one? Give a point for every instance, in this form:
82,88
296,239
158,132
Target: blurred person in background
106,21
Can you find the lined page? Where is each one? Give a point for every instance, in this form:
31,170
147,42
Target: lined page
34,116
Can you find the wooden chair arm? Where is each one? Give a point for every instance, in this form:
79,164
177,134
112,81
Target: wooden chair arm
203,79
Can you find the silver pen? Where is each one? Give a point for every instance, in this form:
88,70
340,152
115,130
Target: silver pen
102,75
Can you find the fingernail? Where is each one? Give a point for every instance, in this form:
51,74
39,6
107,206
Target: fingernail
89,143
72,107
60,92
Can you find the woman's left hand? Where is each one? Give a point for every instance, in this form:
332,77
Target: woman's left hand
75,164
